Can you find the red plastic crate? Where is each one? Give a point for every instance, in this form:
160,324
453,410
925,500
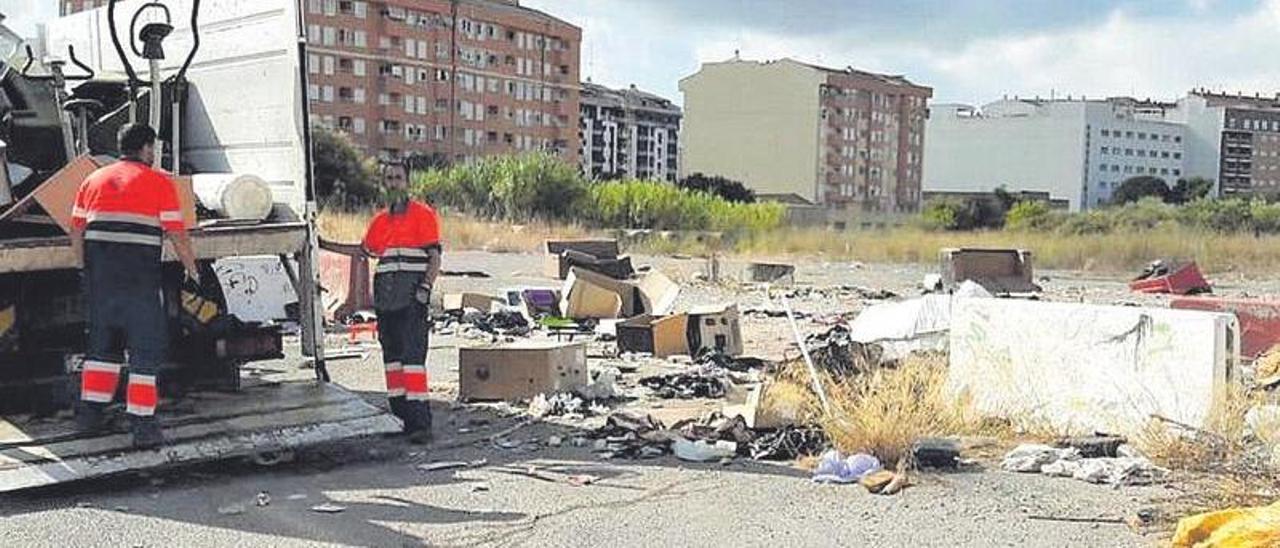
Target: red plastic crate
1186,280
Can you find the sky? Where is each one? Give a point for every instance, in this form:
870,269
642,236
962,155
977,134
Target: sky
968,51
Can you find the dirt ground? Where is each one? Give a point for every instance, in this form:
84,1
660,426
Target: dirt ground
388,501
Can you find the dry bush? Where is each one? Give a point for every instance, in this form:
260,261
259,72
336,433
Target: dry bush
1220,465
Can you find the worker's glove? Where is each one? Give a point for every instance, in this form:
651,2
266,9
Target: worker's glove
193,277
423,294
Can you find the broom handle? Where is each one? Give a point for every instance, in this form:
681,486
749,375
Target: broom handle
808,360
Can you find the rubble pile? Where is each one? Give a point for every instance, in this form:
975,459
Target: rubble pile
700,382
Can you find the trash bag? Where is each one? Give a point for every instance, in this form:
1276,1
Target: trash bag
1232,528
835,468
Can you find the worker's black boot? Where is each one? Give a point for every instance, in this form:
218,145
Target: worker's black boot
420,416
146,432
91,416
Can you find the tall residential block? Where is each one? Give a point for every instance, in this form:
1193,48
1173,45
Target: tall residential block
844,138
448,79
628,133
1234,140
1074,150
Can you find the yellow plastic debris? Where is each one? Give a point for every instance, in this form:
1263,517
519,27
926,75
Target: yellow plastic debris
1233,528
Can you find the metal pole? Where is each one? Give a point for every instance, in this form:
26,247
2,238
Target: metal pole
176,137
155,109
808,360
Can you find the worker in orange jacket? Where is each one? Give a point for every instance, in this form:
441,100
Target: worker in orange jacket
122,214
405,238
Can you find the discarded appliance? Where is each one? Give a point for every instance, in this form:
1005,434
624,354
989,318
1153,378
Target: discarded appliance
462,301
661,336
1259,320
1000,271
716,328
588,295
1171,276
554,265
1090,368
521,370
770,273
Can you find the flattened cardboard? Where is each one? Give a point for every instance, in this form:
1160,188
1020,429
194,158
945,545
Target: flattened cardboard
463,301
521,370
57,195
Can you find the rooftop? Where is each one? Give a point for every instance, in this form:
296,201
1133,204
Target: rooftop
631,96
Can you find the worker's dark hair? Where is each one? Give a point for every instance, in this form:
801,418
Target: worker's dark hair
135,136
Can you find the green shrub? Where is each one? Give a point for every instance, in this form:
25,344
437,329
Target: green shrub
942,214
1228,215
1032,215
542,187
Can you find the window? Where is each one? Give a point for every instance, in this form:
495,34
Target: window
361,10
1102,167
330,36
313,64
1142,136
1164,154
1106,133
1177,138
327,94
328,65
1105,150
1128,134
330,7
358,95
357,67
1115,168
357,126
1177,172
1128,152
1177,156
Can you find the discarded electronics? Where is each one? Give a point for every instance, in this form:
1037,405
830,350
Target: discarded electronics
521,370
589,295
1000,271
770,273
588,253
256,288
1171,276
716,328
708,328
462,301
1259,320
1090,368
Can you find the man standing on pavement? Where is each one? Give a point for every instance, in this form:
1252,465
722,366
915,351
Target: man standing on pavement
405,237
122,212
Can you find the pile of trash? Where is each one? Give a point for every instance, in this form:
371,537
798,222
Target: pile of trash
835,352
473,323
860,468
712,437
698,382
840,291
1128,467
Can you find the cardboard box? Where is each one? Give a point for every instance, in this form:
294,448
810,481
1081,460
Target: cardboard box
590,295
715,327
661,336
463,301
554,267
519,371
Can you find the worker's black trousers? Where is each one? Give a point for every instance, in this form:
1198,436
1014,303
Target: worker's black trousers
126,315
404,333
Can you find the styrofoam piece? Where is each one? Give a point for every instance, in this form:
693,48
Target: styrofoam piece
234,196
1090,368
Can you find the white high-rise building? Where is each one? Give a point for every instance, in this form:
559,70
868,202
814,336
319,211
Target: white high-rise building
1075,150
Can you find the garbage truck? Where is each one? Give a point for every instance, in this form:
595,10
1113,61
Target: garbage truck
224,82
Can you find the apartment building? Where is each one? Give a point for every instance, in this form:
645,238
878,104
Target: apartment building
847,139
628,133
1233,140
1074,150
453,80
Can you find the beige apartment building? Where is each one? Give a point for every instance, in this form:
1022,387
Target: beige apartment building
450,79
843,138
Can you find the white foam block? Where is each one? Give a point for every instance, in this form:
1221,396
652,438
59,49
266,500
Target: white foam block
1085,368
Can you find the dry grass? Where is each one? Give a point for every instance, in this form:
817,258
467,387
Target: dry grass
460,233
1220,465
883,412
1118,252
